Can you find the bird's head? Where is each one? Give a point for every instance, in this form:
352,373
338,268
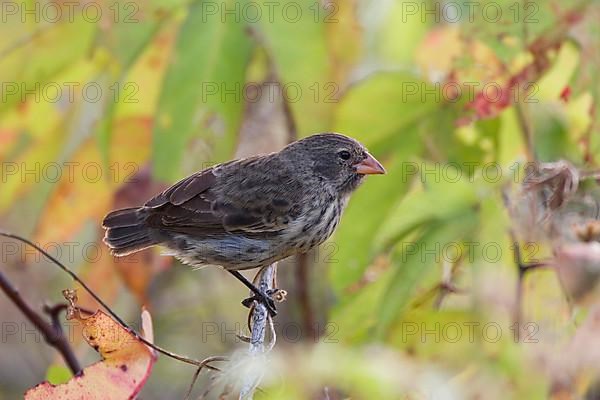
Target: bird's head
335,159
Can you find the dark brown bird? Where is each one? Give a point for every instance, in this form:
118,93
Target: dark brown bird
250,212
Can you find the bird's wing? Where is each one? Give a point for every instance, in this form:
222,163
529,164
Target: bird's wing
196,206
184,190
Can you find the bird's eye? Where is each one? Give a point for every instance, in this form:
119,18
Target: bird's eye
344,155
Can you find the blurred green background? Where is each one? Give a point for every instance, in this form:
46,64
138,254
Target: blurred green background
104,103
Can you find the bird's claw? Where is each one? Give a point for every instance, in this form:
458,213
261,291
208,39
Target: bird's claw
267,300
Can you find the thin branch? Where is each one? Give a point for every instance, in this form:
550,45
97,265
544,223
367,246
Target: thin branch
441,290
53,333
193,383
54,313
522,269
520,279
302,285
199,363
447,286
260,320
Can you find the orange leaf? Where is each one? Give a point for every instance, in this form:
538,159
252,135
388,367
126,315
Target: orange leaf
125,367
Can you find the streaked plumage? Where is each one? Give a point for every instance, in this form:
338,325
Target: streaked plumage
248,213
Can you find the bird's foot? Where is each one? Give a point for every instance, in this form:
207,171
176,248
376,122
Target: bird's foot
265,299
268,299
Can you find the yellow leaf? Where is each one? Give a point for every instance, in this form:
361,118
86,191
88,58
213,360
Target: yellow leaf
125,366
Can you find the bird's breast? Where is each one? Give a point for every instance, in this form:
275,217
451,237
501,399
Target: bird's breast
317,224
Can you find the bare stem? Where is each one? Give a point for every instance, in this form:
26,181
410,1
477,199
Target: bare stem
302,285
52,332
260,321
522,269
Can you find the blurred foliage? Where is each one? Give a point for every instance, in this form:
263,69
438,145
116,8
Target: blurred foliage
454,97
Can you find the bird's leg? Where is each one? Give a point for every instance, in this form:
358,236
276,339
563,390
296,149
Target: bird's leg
265,298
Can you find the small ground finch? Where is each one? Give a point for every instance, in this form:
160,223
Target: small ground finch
251,212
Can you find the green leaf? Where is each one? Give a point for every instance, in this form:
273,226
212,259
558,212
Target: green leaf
494,229
128,37
131,31
449,333
397,26
354,319
294,35
551,139
414,260
201,96
380,109
510,141
28,66
439,201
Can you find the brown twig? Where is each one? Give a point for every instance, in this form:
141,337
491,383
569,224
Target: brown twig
302,279
54,313
193,383
446,286
52,332
522,269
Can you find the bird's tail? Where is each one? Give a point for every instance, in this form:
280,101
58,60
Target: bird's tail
127,232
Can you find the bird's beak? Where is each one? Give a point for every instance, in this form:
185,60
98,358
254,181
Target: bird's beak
369,166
